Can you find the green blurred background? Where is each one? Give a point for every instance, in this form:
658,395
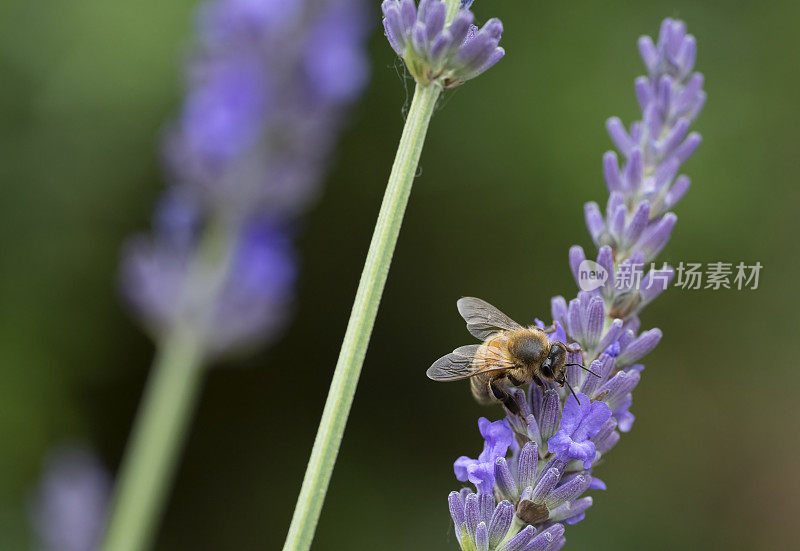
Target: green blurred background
85,87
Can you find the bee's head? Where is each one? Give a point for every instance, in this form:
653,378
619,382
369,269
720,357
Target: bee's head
553,366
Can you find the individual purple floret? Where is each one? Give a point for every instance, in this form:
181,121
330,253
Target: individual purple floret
559,437
69,508
581,420
498,438
267,83
435,50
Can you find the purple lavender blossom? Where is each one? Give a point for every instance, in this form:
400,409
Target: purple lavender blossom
437,51
254,301
498,437
646,187
482,526
69,507
267,83
557,438
581,419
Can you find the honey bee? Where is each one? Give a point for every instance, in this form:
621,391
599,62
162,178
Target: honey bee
509,354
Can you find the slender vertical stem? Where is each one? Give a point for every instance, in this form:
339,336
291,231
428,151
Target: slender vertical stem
159,433
169,402
362,318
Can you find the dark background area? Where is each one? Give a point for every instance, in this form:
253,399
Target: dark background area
711,462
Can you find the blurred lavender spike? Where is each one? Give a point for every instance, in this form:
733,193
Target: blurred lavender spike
267,86
545,451
69,507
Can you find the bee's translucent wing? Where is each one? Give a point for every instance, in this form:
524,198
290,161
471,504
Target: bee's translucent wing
483,319
461,363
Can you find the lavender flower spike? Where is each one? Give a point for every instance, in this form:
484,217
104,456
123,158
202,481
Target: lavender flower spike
266,87
670,98
243,93
435,50
557,437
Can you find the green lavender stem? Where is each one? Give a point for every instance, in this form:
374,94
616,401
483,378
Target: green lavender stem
166,409
160,430
362,318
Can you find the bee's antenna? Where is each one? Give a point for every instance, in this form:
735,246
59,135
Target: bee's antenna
572,391
584,368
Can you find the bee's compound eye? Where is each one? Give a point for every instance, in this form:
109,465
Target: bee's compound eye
558,355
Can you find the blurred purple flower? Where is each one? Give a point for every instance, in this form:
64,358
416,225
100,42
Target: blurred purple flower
223,22
267,84
69,507
335,64
226,108
255,300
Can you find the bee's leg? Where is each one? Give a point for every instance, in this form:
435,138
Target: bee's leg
496,386
514,381
538,381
